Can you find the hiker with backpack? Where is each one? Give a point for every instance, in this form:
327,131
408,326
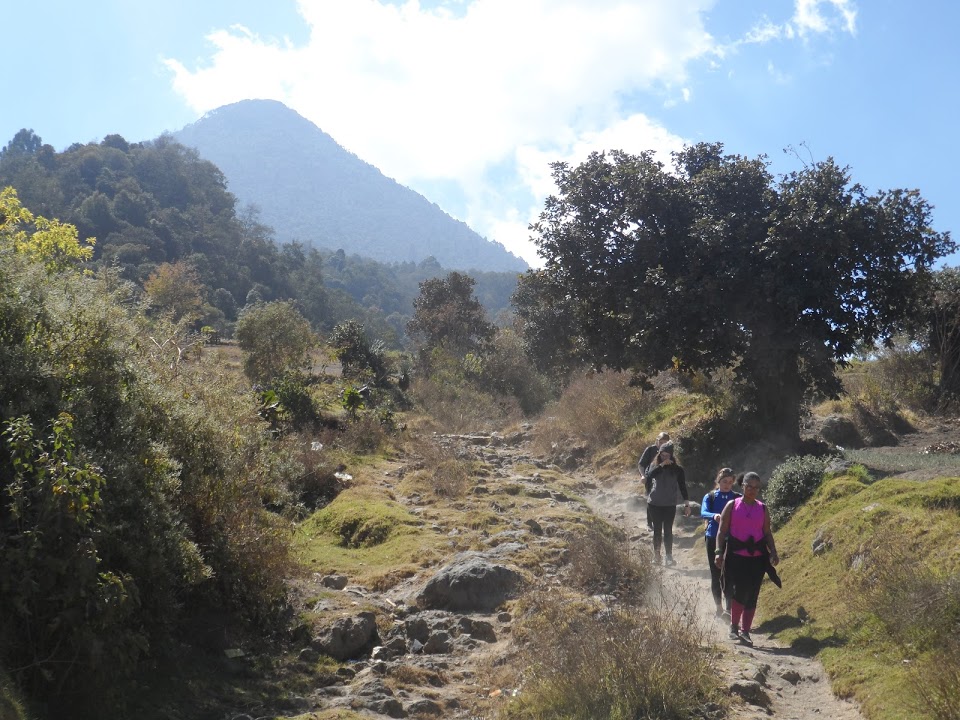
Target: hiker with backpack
710,510
667,479
745,552
646,459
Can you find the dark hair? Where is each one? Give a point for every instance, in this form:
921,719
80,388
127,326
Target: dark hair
751,476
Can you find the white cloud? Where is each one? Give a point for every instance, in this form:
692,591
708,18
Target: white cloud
809,16
481,92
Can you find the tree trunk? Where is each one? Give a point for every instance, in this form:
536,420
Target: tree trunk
776,392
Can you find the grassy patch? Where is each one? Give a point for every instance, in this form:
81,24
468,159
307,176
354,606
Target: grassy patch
885,461
841,601
368,537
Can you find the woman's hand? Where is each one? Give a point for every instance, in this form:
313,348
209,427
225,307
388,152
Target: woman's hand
718,561
774,558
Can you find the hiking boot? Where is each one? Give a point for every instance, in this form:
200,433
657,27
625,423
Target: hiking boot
656,558
746,639
669,562
734,632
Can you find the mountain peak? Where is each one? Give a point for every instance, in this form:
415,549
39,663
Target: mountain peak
310,189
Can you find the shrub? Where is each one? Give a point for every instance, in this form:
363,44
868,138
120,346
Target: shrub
602,562
584,662
792,483
457,406
596,408
276,338
156,489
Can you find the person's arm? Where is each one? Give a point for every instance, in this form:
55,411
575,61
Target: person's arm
768,534
706,511
682,484
723,532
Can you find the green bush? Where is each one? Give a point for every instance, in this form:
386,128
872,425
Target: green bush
133,490
792,483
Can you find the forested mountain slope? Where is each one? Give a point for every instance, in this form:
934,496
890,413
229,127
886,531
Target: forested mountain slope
311,189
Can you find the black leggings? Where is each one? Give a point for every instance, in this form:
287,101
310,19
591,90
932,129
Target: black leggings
742,577
716,587
663,517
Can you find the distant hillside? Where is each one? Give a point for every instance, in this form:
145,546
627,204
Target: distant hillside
308,188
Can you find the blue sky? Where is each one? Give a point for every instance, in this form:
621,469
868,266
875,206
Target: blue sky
468,101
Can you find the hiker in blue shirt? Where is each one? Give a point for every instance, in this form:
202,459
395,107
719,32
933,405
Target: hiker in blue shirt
710,509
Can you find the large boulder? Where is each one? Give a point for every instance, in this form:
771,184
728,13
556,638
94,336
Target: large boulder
348,637
470,582
839,430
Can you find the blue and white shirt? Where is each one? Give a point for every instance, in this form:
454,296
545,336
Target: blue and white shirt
713,504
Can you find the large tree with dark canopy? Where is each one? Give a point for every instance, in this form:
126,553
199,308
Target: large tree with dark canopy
715,263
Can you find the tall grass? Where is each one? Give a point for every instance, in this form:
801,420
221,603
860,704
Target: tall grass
919,606
585,662
595,408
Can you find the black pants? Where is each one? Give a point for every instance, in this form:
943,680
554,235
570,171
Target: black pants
716,586
742,577
663,517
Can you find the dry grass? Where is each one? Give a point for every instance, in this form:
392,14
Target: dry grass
596,409
585,661
601,561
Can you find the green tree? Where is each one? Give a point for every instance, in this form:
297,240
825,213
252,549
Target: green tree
448,316
276,338
175,289
356,353
937,325
714,263
51,242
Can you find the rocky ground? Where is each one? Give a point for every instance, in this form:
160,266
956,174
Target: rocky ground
441,642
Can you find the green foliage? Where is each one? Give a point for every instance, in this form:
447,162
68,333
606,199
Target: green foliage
937,325
157,202
446,315
276,338
456,400
658,268
352,401
357,354
791,484
508,371
55,597
293,394
51,242
893,543
144,500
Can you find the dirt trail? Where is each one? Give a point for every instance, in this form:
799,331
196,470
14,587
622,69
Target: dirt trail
795,687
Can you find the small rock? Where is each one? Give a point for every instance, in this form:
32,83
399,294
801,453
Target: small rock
791,676
751,691
335,582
